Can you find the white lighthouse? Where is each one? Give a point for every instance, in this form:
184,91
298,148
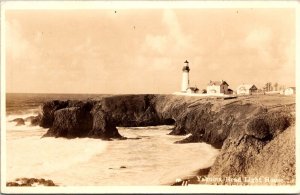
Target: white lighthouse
185,77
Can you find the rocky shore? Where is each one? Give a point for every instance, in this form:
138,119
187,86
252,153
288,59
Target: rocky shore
30,182
255,134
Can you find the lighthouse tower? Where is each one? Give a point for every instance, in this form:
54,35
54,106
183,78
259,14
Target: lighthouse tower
185,77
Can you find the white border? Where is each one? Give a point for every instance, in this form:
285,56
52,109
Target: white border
14,5
297,56
3,100
145,4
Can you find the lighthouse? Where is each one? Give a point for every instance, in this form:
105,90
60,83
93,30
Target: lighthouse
185,77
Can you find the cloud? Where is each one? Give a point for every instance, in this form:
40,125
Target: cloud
160,51
87,49
179,39
156,43
287,68
20,51
260,40
172,41
16,45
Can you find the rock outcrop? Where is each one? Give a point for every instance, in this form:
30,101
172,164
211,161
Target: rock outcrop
264,148
48,110
31,182
103,126
34,120
19,121
246,129
99,119
70,122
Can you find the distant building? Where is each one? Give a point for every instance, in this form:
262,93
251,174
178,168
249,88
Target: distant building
203,91
246,89
290,91
230,91
217,87
192,90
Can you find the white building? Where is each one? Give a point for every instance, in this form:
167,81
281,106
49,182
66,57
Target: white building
290,91
185,77
217,87
248,89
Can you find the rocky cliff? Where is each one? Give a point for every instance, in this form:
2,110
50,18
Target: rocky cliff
250,131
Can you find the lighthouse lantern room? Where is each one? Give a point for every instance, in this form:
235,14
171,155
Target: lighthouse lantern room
185,77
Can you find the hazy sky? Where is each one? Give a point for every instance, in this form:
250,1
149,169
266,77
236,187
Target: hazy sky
142,51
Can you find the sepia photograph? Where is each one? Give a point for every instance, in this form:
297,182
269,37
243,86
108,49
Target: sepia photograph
149,97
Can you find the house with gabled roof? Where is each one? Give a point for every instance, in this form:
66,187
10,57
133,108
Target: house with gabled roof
290,91
217,87
246,89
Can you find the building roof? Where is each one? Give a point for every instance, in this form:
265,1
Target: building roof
217,83
247,86
294,88
193,88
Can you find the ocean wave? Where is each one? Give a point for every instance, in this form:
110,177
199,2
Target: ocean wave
85,161
23,114
24,111
35,157
12,125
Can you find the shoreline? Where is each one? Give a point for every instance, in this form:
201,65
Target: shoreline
244,128
152,131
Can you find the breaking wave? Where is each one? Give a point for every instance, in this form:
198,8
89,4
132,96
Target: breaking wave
12,125
42,157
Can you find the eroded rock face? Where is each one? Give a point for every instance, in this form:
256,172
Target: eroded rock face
277,159
70,122
99,119
131,110
213,126
245,153
268,125
48,110
247,130
209,121
103,126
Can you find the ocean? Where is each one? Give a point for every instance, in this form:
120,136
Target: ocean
152,160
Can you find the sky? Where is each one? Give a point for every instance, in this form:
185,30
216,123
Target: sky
112,51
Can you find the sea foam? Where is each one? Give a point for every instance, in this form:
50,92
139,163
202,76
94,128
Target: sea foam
153,159
40,157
